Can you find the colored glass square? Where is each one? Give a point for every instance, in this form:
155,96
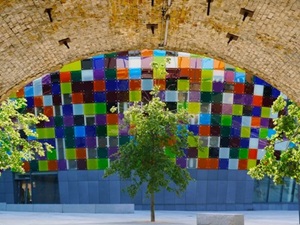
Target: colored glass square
102,164
79,131
43,165
65,77
99,85
100,108
182,105
265,112
110,74
77,98
206,86
92,164
205,119
263,133
70,153
102,153
234,153
147,84
135,85
237,110
251,163
98,62
193,141
194,107
112,130
183,85
71,66
203,152
226,120
51,155
245,132
206,97
135,96
207,63
135,73
76,76
89,108
243,153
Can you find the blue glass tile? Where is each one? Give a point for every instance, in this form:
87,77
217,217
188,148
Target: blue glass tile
244,142
205,119
159,53
207,63
100,97
87,75
194,129
67,110
55,88
98,62
171,96
28,91
90,131
256,111
223,164
135,73
47,100
59,132
77,109
275,92
30,102
79,131
147,84
111,85
80,142
254,132
123,85
240,77
38,90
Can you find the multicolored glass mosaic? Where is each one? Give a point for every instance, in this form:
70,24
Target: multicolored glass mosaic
231,109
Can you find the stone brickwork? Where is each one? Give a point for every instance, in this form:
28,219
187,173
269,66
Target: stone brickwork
267,44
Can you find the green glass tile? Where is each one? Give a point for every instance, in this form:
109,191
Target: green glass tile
110,74
183,85
52,155
206,86
110,55
182,105
70,153
243,153
112,130
193,141
74,66
92,164
43,165
102,153
237,110
66,88
102,163
237,69
13,95
206,97
193,107
123,140
58,121
69,132
101,131
203,152
263,133
234,153
217,97
215,119
207,75
100,108
89,109
251,163
169,153
226,120
34,166
245,132
225,131
135,96
70,142
44,133
265,112
76,76
159,59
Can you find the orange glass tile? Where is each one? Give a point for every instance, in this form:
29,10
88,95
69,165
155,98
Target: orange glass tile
135,85
243,164
20,93
65,77
185,72
183,62
195,75
204,130
161,83
26,166
202,163
252,154
112,119
257,100
80,153
48,111
99,85
77,98
38,101
219,65
255,121
146,53
52,165
122,74
213,164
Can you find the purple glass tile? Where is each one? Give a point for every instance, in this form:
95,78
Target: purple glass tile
99,74
195,63
226,109
68,121
123,130
181,162
161,95
100,119
262,143
146,62
218,86
50,123
112,151
46,79
238,99
194,96
229,76
98,63
236,121
248,99
62,164
91,142
264,122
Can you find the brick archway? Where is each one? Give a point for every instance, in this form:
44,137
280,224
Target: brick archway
267,44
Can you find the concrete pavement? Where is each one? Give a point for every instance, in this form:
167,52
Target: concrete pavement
141,218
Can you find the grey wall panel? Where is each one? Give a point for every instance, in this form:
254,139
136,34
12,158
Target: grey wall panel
114,191
64,192
104,190
93,193
83,192
73,192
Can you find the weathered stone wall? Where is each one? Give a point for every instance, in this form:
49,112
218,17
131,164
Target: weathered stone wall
268,43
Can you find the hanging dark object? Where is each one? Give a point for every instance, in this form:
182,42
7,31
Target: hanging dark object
152,26
65,42
231,37
208,6
246,13
48,11
152,2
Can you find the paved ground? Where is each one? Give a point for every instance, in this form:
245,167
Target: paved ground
141,218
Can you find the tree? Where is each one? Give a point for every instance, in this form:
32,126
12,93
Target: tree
158,136
17,139
287,127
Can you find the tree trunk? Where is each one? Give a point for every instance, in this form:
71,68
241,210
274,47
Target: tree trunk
152,208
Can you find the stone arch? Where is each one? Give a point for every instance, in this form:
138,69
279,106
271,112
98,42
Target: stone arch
267,44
